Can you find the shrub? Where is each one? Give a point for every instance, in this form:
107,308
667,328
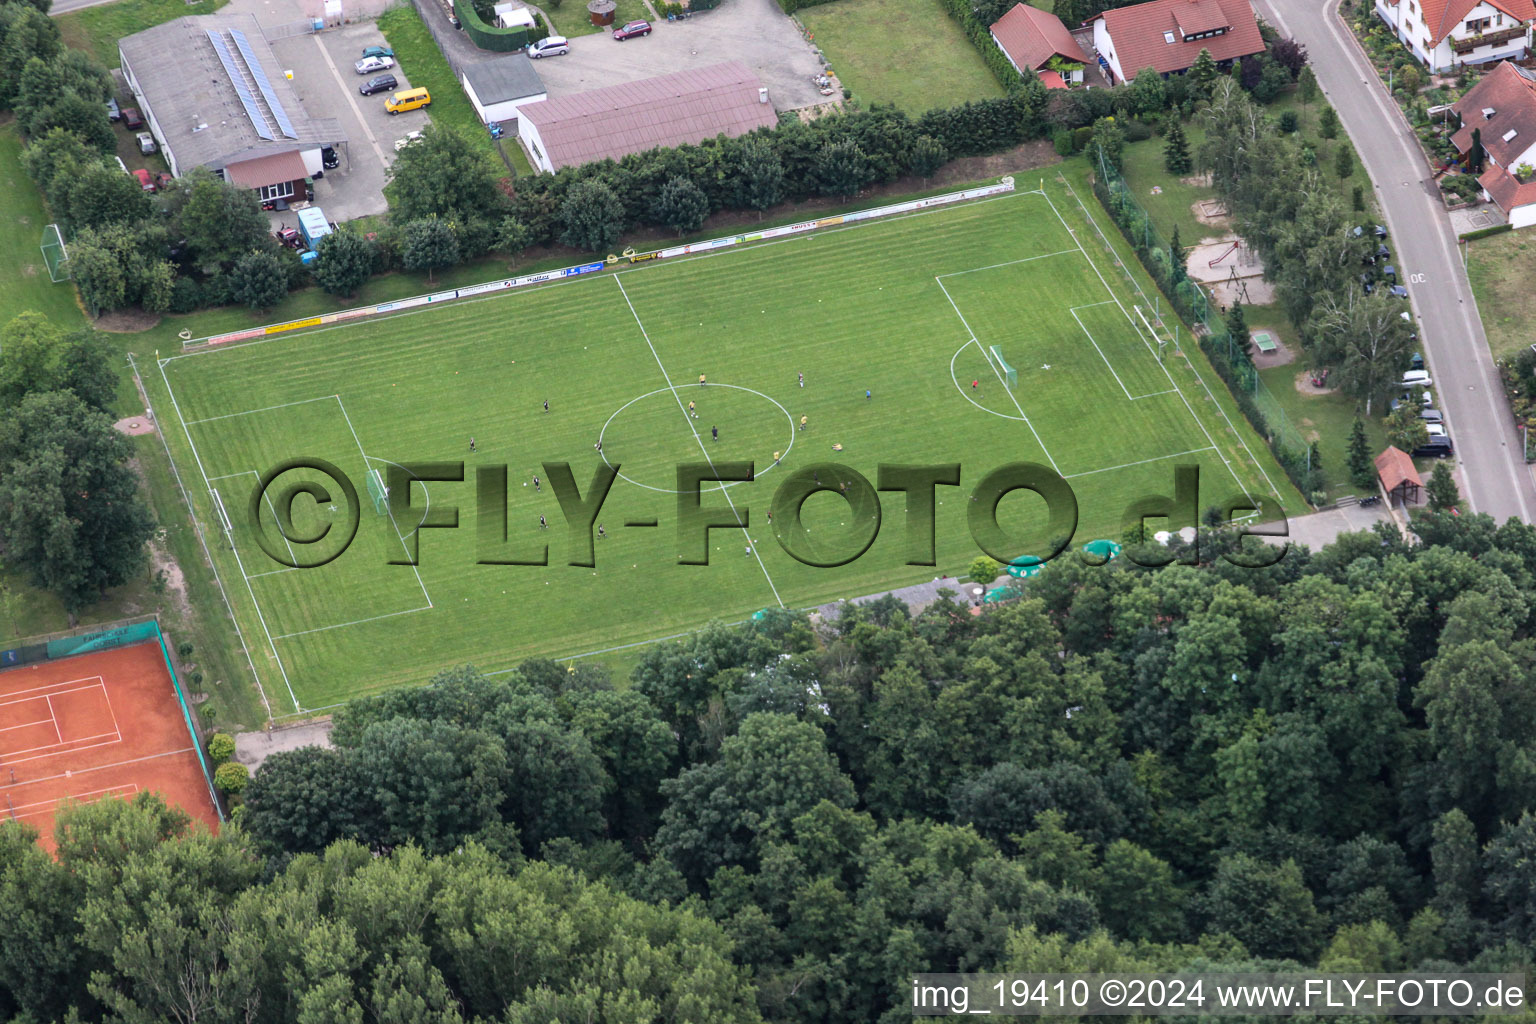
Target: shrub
1289,121
1080,137
186,295
984,569
1062,140
221,748
183,650
231,778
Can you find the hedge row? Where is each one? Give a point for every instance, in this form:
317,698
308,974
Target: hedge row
1497,229
491,37
791,6
980,35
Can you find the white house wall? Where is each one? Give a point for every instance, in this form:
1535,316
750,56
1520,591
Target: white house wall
528,135
1106,48
1523,216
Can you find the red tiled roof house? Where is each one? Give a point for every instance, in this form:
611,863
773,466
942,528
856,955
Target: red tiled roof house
1502,110
1167,36
1030,38
632,117
1447,33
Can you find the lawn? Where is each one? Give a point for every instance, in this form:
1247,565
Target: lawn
1500,267
909,53
415,48
617,356
21,260
96,30
571,18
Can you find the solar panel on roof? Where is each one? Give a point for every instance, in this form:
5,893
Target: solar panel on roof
258,73
258,120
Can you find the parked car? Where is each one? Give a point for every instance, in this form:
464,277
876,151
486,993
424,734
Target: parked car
1381,232
1416,379
377,51
549,46
631,29
1435,429
132,119
383,83
146,143
1399,291
408,99
1426,398
1389,271
162,181
113,113
1435,448
145,181
1429,415
368,65
328,157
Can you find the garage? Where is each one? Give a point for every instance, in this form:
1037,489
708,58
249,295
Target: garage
498,87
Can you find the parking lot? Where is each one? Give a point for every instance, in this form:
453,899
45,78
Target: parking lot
754,32
327,85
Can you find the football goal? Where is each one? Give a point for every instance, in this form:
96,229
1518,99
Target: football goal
55,255
1010,375
378,492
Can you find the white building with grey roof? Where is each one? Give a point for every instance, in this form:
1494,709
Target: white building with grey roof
215,96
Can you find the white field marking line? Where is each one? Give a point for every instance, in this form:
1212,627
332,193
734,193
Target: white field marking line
697,439
1009,263
77,772
232,546
252,412
273,507
750,247
1142,462
961,387
354,622
271,572
203,543
1192,368
5,698
1135,327
388,511
1000,381
1095,344
47,806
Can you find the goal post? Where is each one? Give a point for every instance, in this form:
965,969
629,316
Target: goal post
378,492
1010,375
55,255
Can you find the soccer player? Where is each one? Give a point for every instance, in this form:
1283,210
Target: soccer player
802,380
542,524
471,444
715,433
775,458
691,412
975,384
536,482
701,380
546,405
867,395
600,534
749,550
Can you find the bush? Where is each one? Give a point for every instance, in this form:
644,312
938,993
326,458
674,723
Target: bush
1137,131
186,295
231,778
984,569
221,748
1080,137
1062,140
1485,232
183,650
1289,121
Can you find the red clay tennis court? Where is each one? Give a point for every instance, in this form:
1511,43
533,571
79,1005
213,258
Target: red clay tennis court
96,725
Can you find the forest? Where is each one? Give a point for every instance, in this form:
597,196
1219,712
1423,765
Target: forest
1324,762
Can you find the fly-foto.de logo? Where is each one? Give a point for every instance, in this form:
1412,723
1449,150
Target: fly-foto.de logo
400,492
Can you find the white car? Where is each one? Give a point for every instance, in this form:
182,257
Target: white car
1416,379
549,46
410,138
369,65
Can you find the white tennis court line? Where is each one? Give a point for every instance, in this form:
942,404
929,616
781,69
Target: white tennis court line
387,510
234,549
18,811
60,745
1001,382
697,439
252,412
75,773
6,698
24,725
53,719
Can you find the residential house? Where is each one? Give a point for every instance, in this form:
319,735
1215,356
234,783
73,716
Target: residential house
1032,39
1445,34
1167,36
212,92
1501,110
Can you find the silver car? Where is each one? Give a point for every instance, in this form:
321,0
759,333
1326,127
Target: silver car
146,143
371,65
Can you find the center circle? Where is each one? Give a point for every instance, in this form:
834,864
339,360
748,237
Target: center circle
744,423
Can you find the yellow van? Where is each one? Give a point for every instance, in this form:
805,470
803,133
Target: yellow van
408,99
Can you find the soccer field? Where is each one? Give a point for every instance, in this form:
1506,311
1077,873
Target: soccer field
908,309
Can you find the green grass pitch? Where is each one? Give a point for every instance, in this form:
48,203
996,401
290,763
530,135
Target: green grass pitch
906,308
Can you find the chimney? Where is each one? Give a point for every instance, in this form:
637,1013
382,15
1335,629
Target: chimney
762,94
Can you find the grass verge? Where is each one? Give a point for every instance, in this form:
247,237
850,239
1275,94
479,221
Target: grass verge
96,30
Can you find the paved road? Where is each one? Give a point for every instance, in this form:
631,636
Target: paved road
65,6
1495,477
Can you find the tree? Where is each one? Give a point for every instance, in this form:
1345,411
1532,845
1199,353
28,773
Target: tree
928,155
759,175
1364,339
1344,161
681,205
231,778
1289,122
220,220
86,119
1273,80
984,569
1441,489
1236,322
1148,96
1327,122
346,261
428,245
513,236
441,175
1202,73
1266,907
1357,199
1289,54
37,356
1306,86
1176,148
1137,895
98,274
1405,430
259,280
1176,257
592,216
303,800
1362,468
26,33
1108,142
102,196
70,513
1474,152
841,168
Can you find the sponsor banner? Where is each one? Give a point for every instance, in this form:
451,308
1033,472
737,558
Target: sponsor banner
489,286
253,332
585,268
641,257
443,296
390,307
829,222
293,325
353,314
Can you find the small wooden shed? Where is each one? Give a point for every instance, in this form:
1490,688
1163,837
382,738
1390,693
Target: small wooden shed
1398,477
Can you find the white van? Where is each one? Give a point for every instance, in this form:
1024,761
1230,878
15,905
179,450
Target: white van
549,46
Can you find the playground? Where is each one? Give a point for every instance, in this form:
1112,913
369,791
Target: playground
1232,271
92,726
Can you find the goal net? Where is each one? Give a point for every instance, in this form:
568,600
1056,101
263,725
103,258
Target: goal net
54,254
378,492
1010,375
